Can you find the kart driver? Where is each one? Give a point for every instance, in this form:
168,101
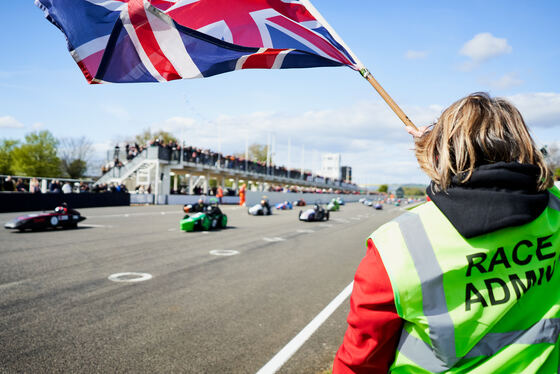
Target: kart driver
62,208
266,206
200,206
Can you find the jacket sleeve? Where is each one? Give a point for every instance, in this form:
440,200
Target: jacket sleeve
374,326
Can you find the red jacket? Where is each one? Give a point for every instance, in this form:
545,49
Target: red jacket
374,326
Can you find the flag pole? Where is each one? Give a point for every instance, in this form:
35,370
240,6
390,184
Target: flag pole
360,67
388,99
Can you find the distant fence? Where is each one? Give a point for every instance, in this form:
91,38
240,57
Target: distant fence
254,197
192,199
142,198
21,201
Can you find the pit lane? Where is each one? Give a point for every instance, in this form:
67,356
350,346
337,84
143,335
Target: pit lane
199,313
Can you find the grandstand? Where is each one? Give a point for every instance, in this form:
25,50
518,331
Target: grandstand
156,167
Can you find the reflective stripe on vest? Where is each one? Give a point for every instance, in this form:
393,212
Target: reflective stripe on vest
419,352
442,332
441,355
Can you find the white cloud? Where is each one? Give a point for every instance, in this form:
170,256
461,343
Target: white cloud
37,125
415,55
483,47
540,109
506,81
10,123
369,135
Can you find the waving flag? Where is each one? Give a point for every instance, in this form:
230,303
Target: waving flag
161,40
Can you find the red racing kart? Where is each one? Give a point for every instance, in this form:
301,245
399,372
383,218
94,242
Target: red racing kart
62,216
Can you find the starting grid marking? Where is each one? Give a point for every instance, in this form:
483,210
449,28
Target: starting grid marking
274,239
224,252
130,277
95,226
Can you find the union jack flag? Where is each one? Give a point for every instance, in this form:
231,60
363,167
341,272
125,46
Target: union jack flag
161,40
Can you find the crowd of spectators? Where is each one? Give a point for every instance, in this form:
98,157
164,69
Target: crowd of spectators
32,185
172,151
130,150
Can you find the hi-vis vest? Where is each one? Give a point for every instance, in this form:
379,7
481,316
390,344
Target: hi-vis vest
488,304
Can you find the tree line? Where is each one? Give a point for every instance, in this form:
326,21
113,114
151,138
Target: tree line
41,154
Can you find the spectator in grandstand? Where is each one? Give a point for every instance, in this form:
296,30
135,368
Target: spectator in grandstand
35,187
20,186
8,184
67,187
54,186
84,187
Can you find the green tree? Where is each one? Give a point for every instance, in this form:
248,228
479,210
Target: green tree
147,135
257,152
6,156
37,156
414,191
553,158
75,169
383,188
74,156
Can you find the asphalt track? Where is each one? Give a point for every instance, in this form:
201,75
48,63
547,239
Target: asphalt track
199,313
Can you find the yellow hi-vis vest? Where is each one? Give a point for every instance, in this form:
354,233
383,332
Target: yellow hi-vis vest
488,304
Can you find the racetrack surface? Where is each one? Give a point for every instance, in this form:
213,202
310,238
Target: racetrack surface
199,313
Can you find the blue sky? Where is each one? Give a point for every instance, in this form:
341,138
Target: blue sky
425,54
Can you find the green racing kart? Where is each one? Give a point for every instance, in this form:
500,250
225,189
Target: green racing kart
210,218
333,206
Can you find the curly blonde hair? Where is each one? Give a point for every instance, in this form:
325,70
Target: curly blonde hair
474,131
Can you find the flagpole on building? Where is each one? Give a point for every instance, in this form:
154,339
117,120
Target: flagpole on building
360,67
289,155
268,154
247,152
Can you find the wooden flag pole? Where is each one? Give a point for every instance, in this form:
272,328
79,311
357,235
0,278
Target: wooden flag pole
388,99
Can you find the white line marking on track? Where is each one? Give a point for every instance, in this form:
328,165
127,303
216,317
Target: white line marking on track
171,229
274,239
205,232
292,347
355,218
11,284
325,225
125,277
91,225
134,214
224,252
305,231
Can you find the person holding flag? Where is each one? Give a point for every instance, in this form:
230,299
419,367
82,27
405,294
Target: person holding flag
468,281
